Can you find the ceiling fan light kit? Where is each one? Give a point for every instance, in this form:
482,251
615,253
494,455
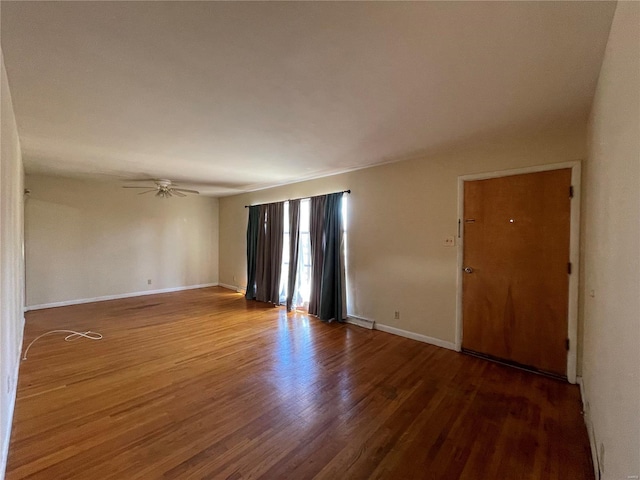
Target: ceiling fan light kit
164,188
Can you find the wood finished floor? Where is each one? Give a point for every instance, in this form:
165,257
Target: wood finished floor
202,384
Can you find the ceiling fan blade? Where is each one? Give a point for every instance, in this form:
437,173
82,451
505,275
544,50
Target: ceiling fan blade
185,190
142,193
131,186
179,194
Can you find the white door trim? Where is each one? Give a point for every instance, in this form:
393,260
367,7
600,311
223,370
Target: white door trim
574,253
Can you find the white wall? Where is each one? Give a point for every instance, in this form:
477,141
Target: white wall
90,239
399,216
611,354
11,264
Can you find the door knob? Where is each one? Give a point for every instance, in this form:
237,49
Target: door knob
468,270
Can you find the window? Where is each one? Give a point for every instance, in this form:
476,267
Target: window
303,276
302,289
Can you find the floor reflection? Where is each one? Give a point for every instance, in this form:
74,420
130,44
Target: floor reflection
300,374
293,352
296,370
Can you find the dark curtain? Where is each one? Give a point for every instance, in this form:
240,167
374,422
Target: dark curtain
294,241
252,250
269,258
332,290
261,257
316,234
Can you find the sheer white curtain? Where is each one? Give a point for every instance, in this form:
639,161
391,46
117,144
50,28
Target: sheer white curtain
284,276
303,276
303,280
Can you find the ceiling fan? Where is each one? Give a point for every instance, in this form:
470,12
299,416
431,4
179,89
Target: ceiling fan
164,188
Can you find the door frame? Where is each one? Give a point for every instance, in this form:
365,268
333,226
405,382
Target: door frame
574,252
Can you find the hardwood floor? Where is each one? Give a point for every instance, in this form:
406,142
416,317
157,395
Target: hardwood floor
203,384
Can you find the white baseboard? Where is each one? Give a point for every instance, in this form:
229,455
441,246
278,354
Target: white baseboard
235,288
361,322
592,434
415,336
116,297
4,454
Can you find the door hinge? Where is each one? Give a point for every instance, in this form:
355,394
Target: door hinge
569,268
566,344
571,191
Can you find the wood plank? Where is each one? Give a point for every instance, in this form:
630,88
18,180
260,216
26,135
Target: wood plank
203,384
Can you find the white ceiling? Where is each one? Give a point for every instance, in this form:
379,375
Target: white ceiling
231,96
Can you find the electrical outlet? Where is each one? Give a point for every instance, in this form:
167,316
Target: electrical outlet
149,282
396,315
450,241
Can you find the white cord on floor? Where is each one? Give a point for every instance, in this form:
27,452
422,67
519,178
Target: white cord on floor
73,335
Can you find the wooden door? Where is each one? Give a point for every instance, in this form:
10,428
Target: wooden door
516,257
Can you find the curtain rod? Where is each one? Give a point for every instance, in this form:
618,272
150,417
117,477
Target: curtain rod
299,198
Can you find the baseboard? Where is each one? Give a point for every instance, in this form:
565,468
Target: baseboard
116,297
361,322
4,454
235,288
415,336
590,431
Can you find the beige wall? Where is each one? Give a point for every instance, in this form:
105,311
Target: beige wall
611,289
399,215
89,239
11,264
